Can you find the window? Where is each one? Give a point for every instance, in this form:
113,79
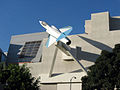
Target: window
29,51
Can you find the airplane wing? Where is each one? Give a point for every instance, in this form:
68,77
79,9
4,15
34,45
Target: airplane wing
50,40
65,31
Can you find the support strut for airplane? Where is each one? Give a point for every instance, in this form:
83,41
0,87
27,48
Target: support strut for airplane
67,50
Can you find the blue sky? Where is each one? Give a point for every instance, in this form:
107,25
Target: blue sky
22,16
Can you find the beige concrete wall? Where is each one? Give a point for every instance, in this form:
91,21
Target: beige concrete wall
48,87
87,26
69,86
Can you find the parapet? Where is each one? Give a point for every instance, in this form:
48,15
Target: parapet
102,23
99,23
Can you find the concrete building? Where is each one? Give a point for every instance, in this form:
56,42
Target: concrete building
102,32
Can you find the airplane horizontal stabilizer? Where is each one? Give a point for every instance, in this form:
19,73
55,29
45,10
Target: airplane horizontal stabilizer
64,29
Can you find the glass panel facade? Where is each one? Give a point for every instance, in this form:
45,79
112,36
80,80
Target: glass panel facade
29,51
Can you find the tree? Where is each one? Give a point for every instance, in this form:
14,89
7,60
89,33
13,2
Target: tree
105,73
15,77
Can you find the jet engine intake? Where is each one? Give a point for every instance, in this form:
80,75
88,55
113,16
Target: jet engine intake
69,42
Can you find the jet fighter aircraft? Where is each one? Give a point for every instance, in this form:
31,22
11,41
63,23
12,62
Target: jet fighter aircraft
56,35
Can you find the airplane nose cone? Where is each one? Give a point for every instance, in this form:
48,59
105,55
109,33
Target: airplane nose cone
43,23
69,42
40,22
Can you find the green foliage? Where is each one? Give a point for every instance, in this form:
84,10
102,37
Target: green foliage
15,77
105,73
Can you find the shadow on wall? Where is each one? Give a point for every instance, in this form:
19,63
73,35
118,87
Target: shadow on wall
13,53
78,70
97,44
114,24
82,55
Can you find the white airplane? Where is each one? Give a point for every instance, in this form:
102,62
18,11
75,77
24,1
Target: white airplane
56,34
